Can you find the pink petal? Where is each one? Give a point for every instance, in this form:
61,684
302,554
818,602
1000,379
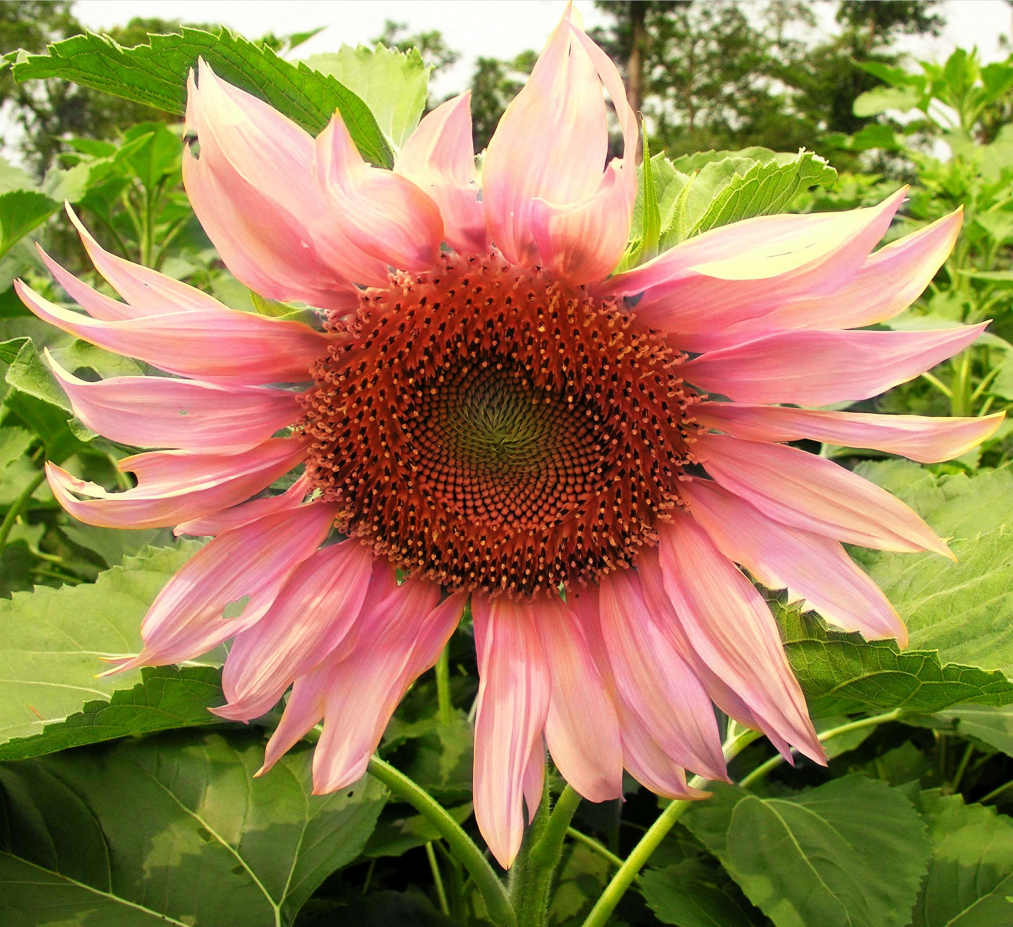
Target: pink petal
642,756
253,187
185,414
815,494
818,368
439,158
242,514
655,681
928,440
534,780
581,728
238,348
731,628
175,486
780,557
885,285
746,269
513,701
551,145
652,582
304,710
383,213
310,618
242,570
146,291
399,637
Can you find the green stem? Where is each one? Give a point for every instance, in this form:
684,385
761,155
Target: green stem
961,386
830,734
962,767
444,698
493,891
16,506
546,852
628,871
938,384
603,851
441,894
996,792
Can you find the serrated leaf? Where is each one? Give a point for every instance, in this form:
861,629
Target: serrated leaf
399,831
988,725
167,697
765,189
172,829
156,75
850,853
13,178
392,83
970,878
841,673
52,640
20,212
693,894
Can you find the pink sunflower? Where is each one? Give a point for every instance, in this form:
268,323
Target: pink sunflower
489,414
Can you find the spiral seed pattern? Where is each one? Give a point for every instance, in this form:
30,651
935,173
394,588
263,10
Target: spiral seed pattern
489,428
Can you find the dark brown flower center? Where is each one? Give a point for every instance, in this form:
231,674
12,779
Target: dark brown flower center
490,428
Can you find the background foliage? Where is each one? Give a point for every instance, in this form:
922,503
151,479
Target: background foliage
124,802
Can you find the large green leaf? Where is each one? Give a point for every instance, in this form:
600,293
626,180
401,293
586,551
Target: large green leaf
962,609
693,894
168,697
393,84
172,829
841,673
850,853
20,212
986,724
156,75
970,879
52,640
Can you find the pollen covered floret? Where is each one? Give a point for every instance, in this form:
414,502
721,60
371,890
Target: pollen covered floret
493,428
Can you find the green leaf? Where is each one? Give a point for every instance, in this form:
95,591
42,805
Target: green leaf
52,640
20,212
173,830
961,609
850,853
383,909
880,99
167,697
13,178
392,83
970,879
156,75
988,725
841,673
765,189
397,832
583,875
693,894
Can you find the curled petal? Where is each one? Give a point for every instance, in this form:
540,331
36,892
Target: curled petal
251,183
513,701
393,647
747,269
927,440
551,145
730,626
237,348
242,514
781,557
815,494
146,291
229,585
174,486
818,368
439,158
885,285
655,681
383,213
184,414
310,618
581,728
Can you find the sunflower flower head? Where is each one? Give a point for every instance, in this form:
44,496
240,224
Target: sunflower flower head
490,413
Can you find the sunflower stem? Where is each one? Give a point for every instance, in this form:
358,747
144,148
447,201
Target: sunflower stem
494,893
735,743
17,506
444,698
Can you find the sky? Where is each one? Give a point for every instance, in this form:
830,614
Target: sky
490,28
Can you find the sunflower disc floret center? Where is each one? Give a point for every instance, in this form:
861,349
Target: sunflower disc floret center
490,428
